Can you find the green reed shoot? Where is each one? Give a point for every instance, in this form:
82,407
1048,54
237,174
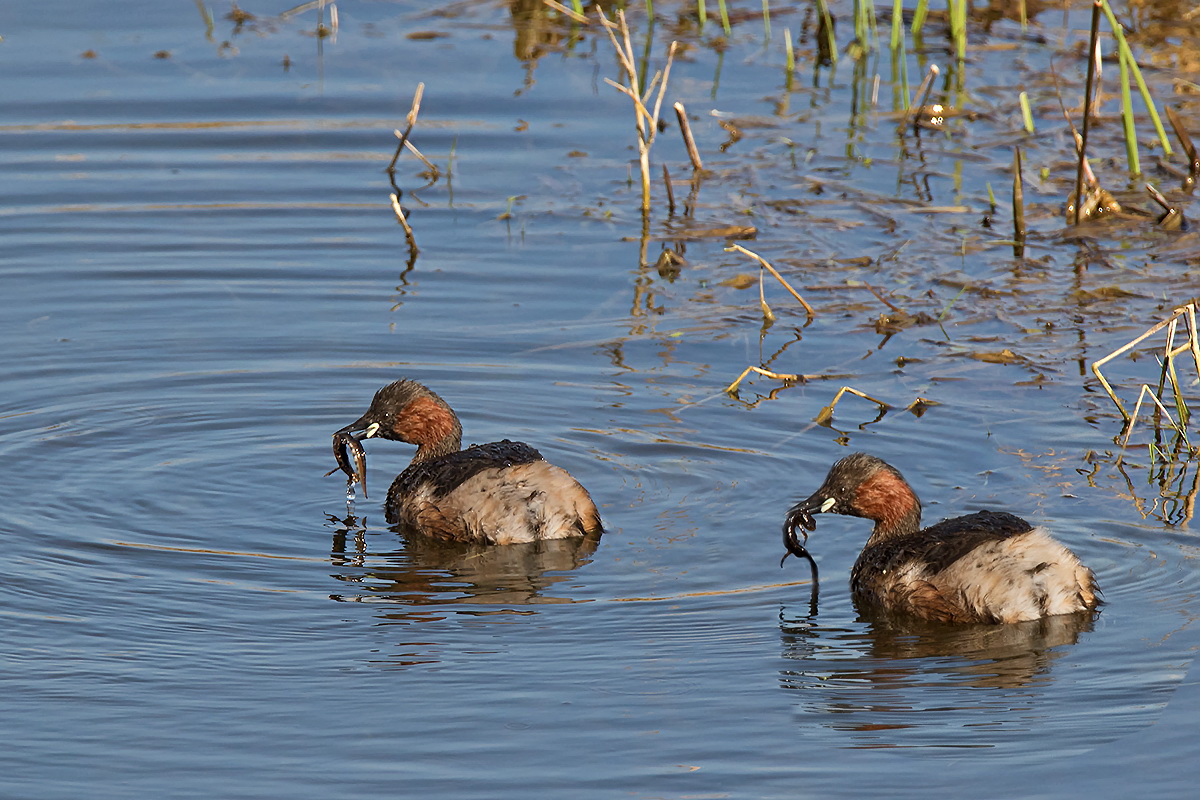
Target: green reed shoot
919,15
577,6
703,12
1119,33
958,26
1026,114
649,9
897,21
827,22
787,48
1131,148
766,21
724,16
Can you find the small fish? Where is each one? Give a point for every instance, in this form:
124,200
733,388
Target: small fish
798,519
342,442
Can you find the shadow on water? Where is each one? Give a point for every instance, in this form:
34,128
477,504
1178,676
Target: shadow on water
428,572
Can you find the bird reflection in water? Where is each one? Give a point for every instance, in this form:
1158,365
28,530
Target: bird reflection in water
889,672
430,572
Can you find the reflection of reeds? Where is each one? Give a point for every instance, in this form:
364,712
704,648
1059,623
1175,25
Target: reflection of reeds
1018,205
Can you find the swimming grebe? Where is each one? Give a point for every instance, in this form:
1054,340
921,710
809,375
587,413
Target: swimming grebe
496,493
989,566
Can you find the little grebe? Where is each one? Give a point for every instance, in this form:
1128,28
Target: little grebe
497,493
989,566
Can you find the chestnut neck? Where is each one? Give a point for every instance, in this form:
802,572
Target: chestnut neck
430,424
886,498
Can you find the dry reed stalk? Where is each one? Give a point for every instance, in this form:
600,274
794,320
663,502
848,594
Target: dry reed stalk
647,122
773,271
1097,6
768,314
1146,390
1189,148
826,413
685,129
412,148
410,121
1188,312
408,231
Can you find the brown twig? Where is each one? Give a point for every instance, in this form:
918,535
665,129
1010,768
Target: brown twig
1087,108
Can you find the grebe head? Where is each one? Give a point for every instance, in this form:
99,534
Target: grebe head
406,411
861,485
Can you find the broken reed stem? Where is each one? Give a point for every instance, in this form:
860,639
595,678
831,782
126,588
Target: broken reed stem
670,191
762,261
1087,107
1193,345
1146,390
1185,141
412,148
408,231
826,413
1018,205
685,129
1131,148
410,121
1119,32
922,95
